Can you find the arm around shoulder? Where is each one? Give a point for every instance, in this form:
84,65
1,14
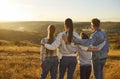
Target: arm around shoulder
55,44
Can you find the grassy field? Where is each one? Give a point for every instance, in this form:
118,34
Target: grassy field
24,63
20,45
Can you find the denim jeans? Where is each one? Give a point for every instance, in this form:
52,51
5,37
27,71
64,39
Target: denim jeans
49,64
85,71
98,66
67,62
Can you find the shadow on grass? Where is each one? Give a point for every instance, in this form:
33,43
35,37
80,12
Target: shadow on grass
114,57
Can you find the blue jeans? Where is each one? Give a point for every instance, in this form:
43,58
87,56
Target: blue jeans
98,66
49,64
67,62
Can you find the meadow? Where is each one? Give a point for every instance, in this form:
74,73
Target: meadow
20,46
24,63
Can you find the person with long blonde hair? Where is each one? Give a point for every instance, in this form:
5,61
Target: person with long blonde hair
48,57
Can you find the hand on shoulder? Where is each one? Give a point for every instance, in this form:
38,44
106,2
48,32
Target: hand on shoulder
64,37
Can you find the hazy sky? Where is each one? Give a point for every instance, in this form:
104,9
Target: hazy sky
59,10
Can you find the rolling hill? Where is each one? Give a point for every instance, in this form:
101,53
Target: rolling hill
34,31
15,36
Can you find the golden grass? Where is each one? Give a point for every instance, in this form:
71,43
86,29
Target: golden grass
19,49
24,63
112,67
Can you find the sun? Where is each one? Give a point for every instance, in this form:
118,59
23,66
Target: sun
10,11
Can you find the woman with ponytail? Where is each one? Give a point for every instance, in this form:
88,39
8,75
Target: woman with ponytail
49,58
67,51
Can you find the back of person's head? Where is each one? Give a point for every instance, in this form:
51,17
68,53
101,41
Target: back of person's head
69,25
95,22
84,35
51,33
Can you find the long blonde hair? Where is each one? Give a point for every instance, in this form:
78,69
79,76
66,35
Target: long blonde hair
51,33
51,36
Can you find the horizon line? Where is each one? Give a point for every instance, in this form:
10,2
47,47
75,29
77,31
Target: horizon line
50,21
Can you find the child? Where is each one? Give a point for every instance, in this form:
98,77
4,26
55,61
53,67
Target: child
85,59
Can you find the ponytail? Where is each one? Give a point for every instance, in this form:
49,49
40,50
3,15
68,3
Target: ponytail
51,36
51,33
69,24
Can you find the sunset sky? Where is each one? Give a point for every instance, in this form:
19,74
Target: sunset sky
59,10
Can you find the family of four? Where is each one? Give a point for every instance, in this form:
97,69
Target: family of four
60,52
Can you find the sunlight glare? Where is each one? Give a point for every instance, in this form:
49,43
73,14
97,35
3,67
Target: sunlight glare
9,11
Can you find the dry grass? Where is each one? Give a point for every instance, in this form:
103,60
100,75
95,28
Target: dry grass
24,63
112,68
20,49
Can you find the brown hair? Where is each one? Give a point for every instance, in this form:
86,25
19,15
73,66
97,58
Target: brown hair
51,33
51,36
69,24
84,35
96,22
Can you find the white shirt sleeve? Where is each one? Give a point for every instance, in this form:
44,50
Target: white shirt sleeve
100,46
83,47
42,49
76,35
55,44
